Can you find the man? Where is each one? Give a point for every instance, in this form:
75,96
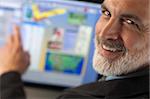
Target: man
121,55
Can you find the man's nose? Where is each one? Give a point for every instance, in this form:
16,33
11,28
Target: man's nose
111,30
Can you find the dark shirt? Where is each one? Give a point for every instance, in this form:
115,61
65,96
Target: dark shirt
134,85
11,86
129,87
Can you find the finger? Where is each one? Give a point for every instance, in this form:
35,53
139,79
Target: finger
10,40
17,36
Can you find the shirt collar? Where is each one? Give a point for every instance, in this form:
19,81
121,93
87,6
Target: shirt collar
130,75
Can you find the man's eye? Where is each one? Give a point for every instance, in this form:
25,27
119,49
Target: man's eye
106,13
130,21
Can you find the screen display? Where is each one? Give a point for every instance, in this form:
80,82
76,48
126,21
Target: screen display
9,15
59,37
5,18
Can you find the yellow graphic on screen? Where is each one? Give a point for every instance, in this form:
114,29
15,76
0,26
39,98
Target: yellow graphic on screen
41,15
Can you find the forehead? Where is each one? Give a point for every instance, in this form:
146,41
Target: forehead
136,7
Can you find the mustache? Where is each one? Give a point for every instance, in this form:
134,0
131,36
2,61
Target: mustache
117,44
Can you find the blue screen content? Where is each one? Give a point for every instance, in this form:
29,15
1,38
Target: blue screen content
58,35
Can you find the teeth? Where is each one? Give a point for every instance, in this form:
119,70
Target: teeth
108,48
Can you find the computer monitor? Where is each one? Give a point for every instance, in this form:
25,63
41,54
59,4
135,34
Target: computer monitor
59,35
10,13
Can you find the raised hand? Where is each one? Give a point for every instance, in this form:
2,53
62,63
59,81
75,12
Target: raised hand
12,55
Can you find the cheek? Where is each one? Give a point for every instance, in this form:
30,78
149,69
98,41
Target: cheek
97,28
132,40
99,25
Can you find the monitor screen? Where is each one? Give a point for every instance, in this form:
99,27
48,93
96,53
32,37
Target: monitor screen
10,13
59,36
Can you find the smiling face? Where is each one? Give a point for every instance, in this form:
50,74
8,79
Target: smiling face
122,36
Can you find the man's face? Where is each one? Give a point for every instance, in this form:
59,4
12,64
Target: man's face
122,34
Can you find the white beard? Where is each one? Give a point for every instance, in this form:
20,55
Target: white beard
123,65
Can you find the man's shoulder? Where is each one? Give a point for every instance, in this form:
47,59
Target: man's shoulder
126,88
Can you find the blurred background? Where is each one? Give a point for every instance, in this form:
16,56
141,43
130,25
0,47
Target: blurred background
59,35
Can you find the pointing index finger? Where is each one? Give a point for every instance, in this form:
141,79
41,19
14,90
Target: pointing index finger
17,36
